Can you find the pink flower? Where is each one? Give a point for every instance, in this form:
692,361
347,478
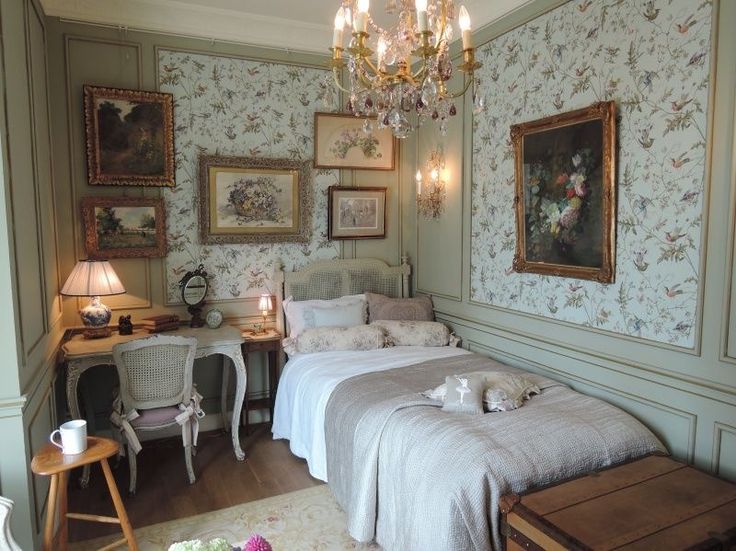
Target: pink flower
569,216
257,543
570,193
562,178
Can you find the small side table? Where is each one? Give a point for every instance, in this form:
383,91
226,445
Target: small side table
269,342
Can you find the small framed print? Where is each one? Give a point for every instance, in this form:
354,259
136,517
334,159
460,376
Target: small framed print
341,141
357,213
254,200
124,227
130,137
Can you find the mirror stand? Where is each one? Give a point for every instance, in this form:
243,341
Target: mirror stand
195,310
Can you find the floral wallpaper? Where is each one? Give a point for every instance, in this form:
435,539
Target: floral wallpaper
231,106
652,58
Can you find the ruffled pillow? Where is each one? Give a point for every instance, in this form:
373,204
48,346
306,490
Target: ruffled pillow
417,333
502,391
326,339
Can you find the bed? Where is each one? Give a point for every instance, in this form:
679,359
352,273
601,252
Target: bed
408,474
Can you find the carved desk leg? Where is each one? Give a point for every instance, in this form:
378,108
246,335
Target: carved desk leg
237,357
223,392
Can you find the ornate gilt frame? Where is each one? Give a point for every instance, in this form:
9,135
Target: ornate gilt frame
303,202
94,172
606,112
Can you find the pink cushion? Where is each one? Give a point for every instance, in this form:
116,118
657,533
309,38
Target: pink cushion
155,417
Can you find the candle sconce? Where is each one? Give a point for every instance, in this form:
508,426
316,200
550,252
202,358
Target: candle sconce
431,193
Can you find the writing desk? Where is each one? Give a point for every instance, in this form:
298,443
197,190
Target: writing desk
82,354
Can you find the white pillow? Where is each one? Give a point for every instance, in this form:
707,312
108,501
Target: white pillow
502,391
300,314
348,315
417,333
324,339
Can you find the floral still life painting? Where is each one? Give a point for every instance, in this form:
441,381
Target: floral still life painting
252,200
124,227
565,194
344,141
130,137
357,212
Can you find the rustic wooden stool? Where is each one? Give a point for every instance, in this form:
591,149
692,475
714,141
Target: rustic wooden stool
51,462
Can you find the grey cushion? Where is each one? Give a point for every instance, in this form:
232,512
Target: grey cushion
464,394
381,307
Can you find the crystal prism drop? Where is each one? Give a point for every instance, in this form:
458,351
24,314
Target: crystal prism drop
429,92
367,126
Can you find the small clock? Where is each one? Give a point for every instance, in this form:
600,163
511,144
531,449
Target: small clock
213,318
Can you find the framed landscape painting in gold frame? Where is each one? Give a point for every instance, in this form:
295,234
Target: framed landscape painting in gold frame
130,137
565,168
254,200
341,141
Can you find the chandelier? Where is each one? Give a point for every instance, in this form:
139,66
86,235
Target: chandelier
404,69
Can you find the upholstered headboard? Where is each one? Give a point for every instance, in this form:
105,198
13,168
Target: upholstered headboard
328,279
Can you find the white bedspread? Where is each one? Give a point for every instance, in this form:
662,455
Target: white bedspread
308,380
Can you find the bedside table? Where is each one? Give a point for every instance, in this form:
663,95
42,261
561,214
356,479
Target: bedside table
269,342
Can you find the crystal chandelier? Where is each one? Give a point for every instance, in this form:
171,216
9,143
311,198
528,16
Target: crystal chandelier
403,69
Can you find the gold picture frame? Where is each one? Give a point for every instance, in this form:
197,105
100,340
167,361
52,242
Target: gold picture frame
129,137
124,227
565,169
356,213
340,141
254,200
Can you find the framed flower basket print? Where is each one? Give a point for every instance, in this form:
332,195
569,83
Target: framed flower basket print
346,141
124,227
254,200
357,212
566,195
130,137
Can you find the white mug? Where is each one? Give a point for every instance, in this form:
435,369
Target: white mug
73,436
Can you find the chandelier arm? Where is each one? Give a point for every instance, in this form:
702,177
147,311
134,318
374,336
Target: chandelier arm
336,75
468,82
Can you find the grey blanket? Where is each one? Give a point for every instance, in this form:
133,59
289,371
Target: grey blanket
412,476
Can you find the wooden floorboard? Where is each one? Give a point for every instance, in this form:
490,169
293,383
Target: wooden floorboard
164,492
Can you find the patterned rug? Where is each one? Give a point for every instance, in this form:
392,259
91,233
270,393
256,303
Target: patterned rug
306,520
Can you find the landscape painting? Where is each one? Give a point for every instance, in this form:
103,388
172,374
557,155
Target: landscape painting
345,141
124,227
565,194
357,212
129,137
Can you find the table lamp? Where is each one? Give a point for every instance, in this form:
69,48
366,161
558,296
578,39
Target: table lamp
93,278
265,305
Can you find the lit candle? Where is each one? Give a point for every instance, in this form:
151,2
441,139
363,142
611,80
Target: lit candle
339,25
422,21
381,50
435,175
360,23
464,21
348,17
419,182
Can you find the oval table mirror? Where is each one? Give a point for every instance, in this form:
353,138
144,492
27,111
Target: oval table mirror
194,287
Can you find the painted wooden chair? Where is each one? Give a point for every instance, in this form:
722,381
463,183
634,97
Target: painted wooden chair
156,392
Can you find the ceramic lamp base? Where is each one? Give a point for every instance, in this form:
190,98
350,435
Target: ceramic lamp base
97,332
95,317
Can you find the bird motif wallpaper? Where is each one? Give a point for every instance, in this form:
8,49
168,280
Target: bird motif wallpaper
652,58
237,107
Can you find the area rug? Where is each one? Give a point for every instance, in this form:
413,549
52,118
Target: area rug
307,519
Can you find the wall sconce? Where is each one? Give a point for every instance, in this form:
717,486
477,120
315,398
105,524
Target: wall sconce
431,195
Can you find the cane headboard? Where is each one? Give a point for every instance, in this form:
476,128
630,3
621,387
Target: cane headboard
329,279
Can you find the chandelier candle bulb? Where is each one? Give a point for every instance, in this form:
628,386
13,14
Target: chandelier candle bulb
422,20
361,18
381,50
339,25
419,182
464,22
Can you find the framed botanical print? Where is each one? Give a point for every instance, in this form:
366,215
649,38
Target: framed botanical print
341,141
357,212
124,227
130,137
566,194
254,200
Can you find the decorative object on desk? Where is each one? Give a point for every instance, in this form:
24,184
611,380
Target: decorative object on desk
356,213
93,278
566,194
213,318
265,305
386,83
125,326
194,287
431,194
160,323
124,227
254,200
130,137
342,141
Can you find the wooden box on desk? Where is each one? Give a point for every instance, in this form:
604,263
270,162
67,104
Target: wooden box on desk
648,504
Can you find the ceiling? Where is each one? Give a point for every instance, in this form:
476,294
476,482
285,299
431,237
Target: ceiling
288,24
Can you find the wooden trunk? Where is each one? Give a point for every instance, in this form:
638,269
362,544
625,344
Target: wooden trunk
654,503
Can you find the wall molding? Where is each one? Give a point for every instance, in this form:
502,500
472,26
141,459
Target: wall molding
718,431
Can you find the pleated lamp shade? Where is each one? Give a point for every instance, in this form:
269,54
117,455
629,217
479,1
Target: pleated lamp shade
91,278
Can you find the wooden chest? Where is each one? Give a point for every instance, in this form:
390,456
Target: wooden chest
654,503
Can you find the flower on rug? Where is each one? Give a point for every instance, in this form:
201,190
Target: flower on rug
257,543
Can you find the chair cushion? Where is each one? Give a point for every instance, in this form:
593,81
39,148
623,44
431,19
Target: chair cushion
155,417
